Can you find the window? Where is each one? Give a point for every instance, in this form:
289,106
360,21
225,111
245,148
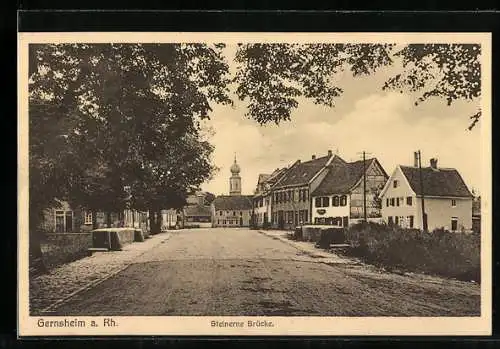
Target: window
241,213
392,201
410,221
326,201
454,223
396,220
63,221
387,202
409,201
335,201
343,200
88,218
234,213
397,201
395,183
453,203
389,220
322,201
306,194
317,202
224,222
218,221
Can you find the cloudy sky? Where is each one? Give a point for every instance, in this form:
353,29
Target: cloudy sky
386,124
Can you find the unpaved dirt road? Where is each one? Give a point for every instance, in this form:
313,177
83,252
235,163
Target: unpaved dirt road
242,272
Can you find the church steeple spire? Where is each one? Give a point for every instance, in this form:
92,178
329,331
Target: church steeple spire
235,179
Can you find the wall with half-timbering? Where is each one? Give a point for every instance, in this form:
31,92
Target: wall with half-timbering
375,181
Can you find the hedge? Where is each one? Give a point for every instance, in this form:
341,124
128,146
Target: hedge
440,252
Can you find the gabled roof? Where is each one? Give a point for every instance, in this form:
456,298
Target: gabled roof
197,210
276,175
233,202
301,173
445,182
263,178
342,176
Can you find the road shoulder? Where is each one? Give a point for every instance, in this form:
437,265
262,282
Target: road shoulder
53,289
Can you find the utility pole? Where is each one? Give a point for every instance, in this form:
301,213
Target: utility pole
424,217
364,185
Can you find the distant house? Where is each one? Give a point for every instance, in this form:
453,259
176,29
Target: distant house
447,200
67,219
290,204
232,211
339,200
197,215
263,197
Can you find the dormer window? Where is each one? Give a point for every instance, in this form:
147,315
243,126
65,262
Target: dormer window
395,183
453,203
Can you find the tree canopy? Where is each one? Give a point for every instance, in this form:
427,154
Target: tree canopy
105,117
271,77
125,121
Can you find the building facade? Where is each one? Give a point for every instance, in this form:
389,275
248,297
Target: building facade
263,197
233,210
67,219
197,216
446,199
290,195
340,197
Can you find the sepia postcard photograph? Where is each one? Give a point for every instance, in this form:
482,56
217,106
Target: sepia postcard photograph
254,184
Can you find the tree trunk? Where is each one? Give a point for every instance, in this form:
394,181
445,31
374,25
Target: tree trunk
108,219
159,220
94,220
153,222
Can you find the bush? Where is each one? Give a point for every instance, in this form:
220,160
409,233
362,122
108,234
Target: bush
440,252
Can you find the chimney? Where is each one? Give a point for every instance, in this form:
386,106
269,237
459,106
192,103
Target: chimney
415,159
434,163
329,153
313,157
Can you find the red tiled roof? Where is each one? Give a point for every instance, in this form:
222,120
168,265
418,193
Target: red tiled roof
445,182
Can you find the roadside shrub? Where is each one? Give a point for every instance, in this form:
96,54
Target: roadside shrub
440,252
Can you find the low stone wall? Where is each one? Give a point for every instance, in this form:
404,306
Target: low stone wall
113,238
323,234
58,249
311,233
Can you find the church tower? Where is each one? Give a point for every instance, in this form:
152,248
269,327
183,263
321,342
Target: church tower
235,179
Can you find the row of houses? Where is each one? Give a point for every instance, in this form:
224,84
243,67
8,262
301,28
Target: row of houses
328,190
68,219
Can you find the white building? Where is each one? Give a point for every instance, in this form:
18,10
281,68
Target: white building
339,198
447,200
